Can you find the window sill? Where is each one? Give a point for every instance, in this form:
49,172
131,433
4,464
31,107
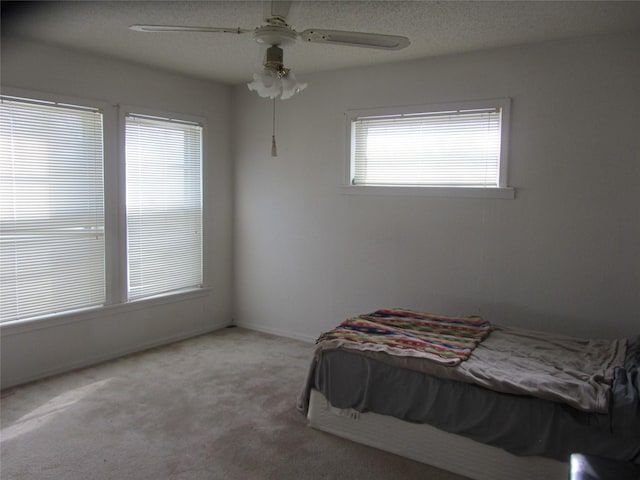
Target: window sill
23,326
506,193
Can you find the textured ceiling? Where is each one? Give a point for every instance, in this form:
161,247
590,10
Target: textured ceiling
434,28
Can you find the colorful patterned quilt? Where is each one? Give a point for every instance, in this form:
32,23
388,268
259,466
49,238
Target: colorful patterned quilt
444,339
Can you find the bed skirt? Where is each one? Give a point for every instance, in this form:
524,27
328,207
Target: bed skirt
427,444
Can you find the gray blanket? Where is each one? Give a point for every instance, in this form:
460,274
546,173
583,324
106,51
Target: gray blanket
574,371
520,424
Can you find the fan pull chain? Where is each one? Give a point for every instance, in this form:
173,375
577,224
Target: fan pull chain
274,148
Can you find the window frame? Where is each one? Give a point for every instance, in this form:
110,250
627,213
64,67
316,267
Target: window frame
108,150
501,191
114,187
130,111
123,111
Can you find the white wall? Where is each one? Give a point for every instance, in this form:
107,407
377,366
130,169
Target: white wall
563,256
41,348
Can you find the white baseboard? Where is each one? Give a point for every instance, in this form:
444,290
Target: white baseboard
87,362
275,331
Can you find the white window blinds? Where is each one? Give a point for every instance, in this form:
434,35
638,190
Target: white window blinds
164,206
51,209
458,148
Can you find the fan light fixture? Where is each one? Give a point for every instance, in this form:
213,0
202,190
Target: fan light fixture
275,80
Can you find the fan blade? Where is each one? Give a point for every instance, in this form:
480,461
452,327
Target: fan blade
180,28
276,8
355,39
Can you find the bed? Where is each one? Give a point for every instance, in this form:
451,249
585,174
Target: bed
497,403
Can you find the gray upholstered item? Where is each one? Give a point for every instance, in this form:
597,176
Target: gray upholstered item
520,424
427,444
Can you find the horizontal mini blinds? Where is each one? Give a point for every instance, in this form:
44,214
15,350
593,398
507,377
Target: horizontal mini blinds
164,206
51,209
455,149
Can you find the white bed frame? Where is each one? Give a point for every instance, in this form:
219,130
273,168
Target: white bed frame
429,445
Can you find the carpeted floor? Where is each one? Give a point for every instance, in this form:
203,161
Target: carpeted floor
220,406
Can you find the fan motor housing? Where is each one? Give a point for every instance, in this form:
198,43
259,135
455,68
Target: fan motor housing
275,35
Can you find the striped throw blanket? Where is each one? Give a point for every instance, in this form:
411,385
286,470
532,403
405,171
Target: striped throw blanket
444,339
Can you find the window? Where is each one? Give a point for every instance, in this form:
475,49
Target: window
52,249
88,220
457,146
164,206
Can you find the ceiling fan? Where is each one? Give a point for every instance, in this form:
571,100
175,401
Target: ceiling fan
277,81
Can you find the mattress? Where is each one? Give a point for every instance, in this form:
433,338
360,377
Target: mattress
429,445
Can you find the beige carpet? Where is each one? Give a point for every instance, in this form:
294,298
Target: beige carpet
220,406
